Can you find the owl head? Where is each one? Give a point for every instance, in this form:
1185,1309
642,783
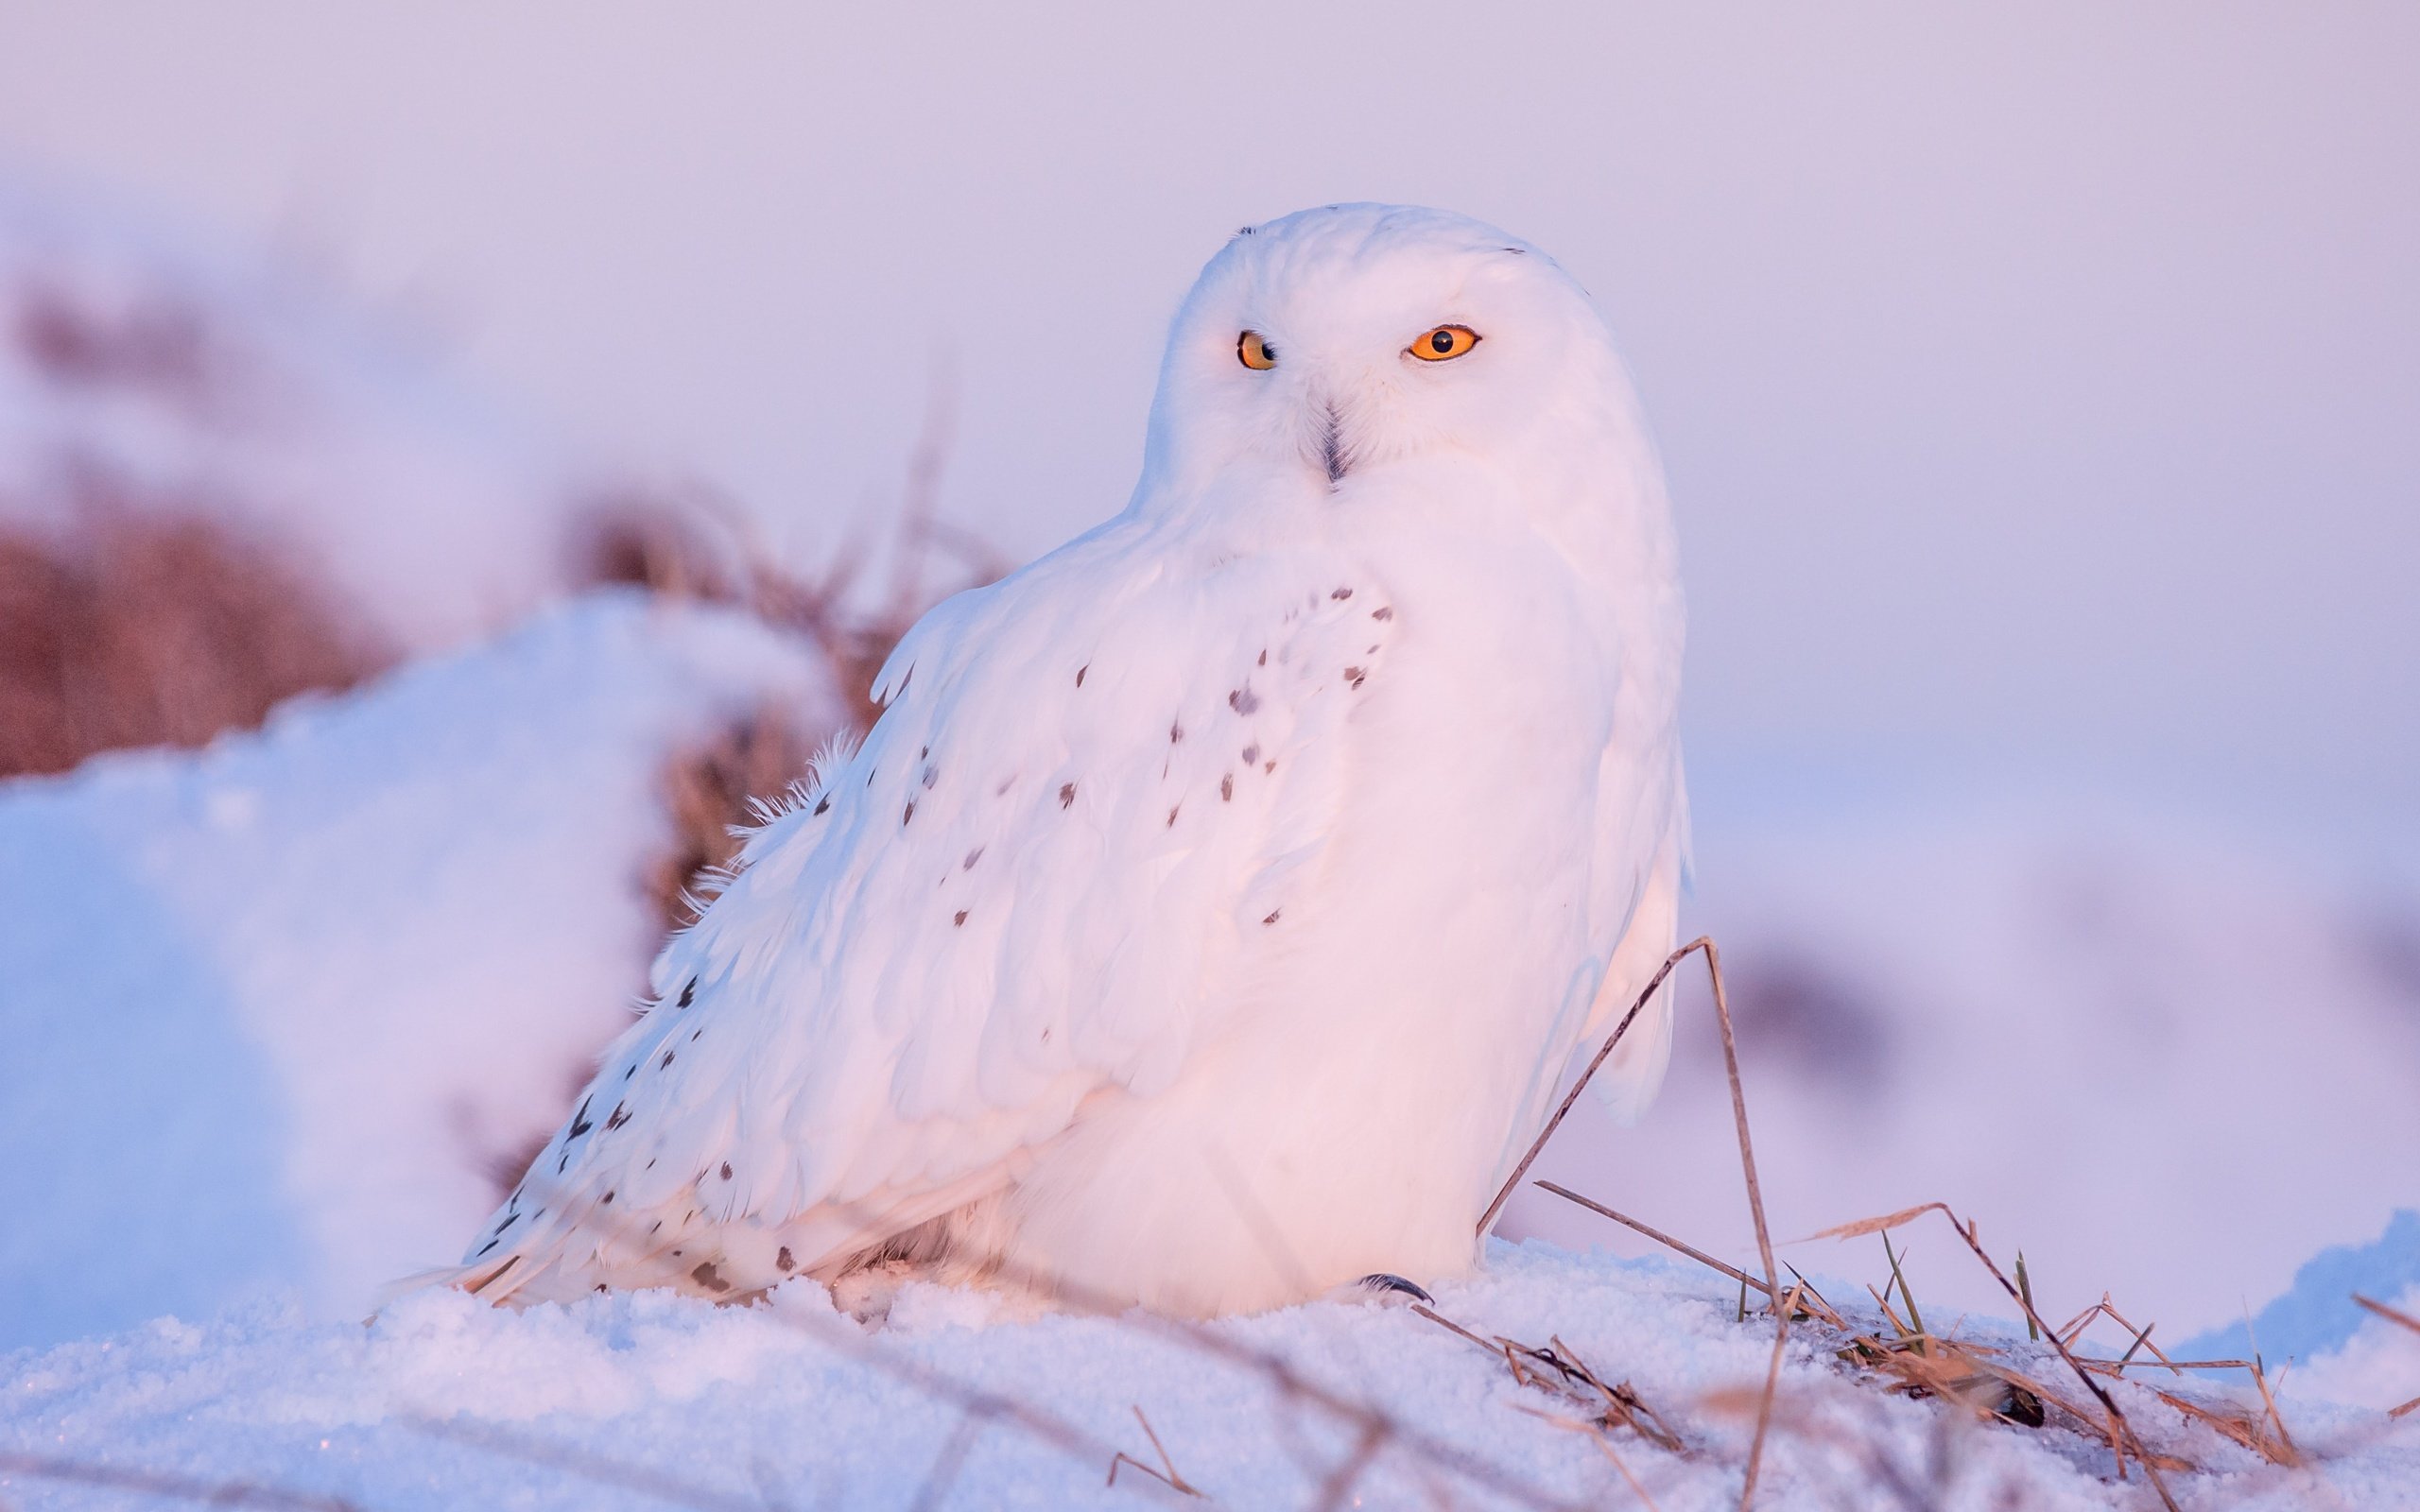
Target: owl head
1338,346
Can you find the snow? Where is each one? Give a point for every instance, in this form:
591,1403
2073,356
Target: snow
641,1400
272,1005
2348,1353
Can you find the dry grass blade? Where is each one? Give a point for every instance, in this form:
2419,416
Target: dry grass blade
1528,1157
946,1464
1765,1402
1605,1447
1654,1233
2391,1315
2245,1427
1166,1474
584,1465
1560,1371
2286,1453
1863,1226
1340,1481
170,1487
1738,1100
2178,1367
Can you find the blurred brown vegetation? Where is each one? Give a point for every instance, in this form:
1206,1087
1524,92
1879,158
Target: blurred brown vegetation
690,544
146,627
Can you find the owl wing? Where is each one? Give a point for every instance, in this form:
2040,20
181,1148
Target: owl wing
1091,790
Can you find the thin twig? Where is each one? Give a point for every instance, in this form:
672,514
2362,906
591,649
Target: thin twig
2391,1315
1654,1233
1487,1219
174,1486
1765,1405
620,1474
948,1462
1166,1473
1739,1101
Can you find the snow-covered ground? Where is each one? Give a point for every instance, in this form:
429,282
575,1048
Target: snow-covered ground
648,1400
273,1006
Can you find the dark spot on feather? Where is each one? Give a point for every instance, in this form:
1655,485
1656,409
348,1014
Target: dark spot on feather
1227,788
726,1170
962,918
1374,651
922,752
822,804
509,1219
971,857
1384,611
559,1166
484,1248
1341,593
493,1277
694,1032
579,1123
621,1116
1273,915
1268,766
606,1198
1243,700
629,1071
1173,817
1006,782
655,1227
1355,676
907,813
1066,793
689,993
666,1061
1264,658
1251,754
1176,733
784,1262
932,774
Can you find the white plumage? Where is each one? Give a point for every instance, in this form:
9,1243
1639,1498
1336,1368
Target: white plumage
1212,911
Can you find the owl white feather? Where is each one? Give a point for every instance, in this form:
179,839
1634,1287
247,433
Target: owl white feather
1211,913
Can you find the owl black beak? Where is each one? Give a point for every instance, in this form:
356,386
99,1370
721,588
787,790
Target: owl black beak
1332,451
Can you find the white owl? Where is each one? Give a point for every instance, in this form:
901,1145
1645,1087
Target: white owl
1210,915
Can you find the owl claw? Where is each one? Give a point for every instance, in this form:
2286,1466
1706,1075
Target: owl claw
1382,1287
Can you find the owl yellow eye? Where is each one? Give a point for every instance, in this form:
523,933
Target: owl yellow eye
1255,351
1444,343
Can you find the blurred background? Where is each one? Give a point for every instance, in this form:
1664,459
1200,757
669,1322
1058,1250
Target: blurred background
451,457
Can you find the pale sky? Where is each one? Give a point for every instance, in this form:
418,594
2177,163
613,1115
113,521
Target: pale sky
2040,385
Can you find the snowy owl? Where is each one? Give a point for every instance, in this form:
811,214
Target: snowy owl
1210,915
